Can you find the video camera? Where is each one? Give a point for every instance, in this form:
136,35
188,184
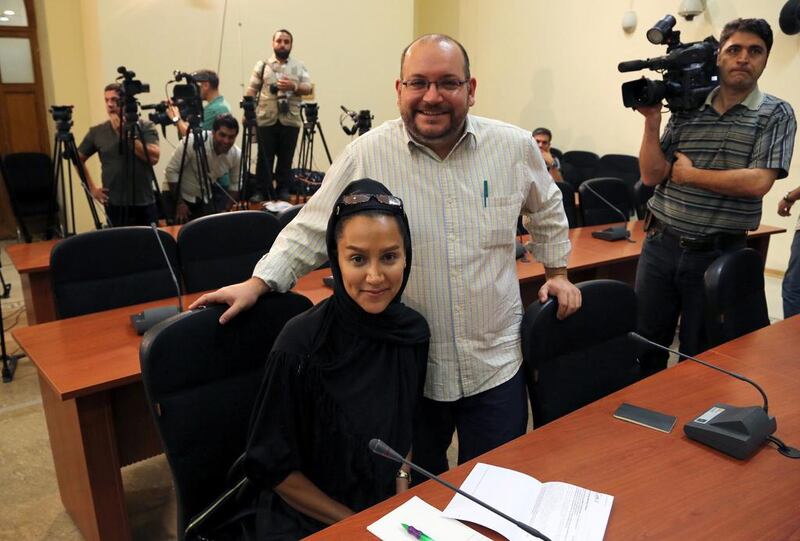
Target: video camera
309,112
362,121
248,105
62,116
130,88
689,71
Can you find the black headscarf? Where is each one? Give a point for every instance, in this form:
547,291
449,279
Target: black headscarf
397,323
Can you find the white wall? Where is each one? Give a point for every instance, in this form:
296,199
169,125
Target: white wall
554,64
351,48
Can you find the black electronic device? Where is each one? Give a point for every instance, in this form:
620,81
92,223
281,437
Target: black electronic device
613,233
381,449
645,417
142,321
735,431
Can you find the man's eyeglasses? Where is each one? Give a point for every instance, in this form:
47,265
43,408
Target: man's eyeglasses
442,85
359,198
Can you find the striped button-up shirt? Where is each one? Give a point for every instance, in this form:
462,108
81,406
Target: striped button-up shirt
462,212
757,133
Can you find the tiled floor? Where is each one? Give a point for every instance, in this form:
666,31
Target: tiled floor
32,509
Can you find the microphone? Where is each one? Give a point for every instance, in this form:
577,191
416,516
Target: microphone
735,431
152,316
632,65
381,449
615,232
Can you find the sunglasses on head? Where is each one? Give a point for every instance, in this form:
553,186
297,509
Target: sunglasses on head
360,198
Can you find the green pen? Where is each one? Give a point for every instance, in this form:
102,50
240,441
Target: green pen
413,532
485,192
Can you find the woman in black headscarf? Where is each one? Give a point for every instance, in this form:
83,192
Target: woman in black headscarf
348,370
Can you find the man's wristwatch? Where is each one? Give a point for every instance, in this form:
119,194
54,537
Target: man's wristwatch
788,198
175,119
402,474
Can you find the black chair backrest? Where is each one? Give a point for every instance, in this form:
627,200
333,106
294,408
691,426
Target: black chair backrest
595,211
105,269
556,153
28,177
641,195
286,216
568,198
735,300
584,164
580,359
621,166
201,380
222,249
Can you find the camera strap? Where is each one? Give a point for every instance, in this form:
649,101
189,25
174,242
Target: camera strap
261,82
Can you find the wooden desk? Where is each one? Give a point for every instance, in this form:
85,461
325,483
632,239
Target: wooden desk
95,407
591,258
665,486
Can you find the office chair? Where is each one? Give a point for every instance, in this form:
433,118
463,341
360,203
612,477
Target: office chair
286,216
620,166
556,153
201,380
109,268
594,211
29,182
641,195
222,249
572,362
568,198
584,164
735,300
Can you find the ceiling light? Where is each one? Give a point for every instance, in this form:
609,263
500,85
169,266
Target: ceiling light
9,12
4,19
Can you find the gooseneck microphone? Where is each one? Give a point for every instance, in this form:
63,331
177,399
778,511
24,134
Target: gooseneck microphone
150,317
614,232
735,431
381,449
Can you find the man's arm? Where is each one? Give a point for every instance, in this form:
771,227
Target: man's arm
785,204
653,165
100,194
148,140
753,183
299,248
549,229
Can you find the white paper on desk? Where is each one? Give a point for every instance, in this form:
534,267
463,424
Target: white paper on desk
561,511
426,518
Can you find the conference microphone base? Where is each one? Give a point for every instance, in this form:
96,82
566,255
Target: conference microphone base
612,233
151,317
737,432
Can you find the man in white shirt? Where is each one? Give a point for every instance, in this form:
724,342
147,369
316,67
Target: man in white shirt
464,181
197,187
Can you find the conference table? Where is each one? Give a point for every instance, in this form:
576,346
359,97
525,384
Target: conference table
590,258
94,403
665,486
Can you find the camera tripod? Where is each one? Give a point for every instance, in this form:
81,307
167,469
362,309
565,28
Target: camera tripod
305,175
201,159
64,149
248,105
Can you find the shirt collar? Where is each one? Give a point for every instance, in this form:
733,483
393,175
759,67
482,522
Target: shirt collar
274,60
753,100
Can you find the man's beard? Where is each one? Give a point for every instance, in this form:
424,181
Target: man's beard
281,54
455,127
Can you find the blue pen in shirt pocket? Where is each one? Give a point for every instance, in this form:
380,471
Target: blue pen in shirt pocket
485,193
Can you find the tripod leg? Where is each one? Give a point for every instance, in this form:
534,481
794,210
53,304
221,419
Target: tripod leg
324,144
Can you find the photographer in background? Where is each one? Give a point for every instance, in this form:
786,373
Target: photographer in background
711,168
223,158
543,137
208,83
278,83
124,204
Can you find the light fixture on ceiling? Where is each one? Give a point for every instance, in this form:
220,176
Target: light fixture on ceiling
9,12
690,9
629,21
4,19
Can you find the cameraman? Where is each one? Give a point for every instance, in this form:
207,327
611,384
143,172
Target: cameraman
208,83
543,138
223,158
711,168
278,83
124,204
